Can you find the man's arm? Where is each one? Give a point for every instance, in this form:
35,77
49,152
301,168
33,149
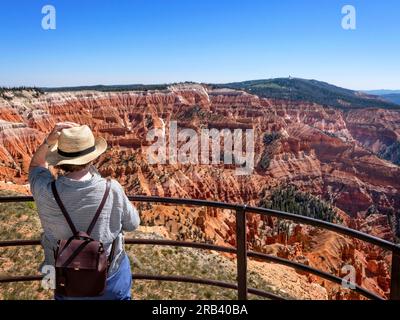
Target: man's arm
39,175
39,157
130,216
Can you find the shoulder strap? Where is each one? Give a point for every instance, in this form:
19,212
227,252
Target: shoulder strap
63,210
112,252
102,203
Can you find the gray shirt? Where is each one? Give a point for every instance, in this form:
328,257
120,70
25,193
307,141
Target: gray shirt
81,200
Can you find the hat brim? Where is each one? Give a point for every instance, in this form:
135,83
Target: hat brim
54,159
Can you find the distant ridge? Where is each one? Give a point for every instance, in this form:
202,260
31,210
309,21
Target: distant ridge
295,89
381,92
389,95
392,97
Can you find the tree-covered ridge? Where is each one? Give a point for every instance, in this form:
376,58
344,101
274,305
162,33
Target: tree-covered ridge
392,97
5,91
289,199
389,95
323,93
269,139
110,88
391,153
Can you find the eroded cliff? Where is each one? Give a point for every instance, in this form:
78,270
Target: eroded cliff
324,151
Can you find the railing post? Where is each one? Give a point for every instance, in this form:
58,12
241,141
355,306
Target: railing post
241,252
395,276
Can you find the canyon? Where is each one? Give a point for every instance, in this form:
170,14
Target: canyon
330,153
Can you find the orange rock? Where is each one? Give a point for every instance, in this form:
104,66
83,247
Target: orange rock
322,150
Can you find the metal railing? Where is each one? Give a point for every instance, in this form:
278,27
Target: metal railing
241,252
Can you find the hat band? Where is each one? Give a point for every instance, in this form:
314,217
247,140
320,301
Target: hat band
77,153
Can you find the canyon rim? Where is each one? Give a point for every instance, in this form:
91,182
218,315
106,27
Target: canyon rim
328,158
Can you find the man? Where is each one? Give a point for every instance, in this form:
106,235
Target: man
72,148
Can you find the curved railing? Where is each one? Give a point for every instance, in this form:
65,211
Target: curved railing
241,248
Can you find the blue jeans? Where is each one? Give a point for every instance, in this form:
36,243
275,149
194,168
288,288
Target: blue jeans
118,285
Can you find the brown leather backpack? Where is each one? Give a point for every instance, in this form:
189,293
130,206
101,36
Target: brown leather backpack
81,262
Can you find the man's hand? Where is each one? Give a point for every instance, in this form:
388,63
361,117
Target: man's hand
52,138
39,158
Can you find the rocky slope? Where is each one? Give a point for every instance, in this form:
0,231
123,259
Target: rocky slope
328,152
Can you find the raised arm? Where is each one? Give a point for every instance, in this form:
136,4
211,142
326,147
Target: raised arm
39,157
130,216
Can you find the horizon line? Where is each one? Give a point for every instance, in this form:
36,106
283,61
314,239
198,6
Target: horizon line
190,81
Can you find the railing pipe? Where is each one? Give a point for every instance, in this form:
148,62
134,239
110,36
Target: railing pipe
322,274
395,277
241,241
241,254
387,245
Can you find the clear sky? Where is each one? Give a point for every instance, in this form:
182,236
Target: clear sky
159,41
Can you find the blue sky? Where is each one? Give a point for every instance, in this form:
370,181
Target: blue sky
158,41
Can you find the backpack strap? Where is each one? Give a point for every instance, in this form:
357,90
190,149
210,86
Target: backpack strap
76,252
100,208
67,216
112,252
63,210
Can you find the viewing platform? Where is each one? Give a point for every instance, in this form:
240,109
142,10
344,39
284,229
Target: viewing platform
241,251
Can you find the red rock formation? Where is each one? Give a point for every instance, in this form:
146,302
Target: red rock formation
374,128
322,150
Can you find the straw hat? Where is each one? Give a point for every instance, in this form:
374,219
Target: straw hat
76,145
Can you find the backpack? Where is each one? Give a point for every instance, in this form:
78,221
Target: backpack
81,263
